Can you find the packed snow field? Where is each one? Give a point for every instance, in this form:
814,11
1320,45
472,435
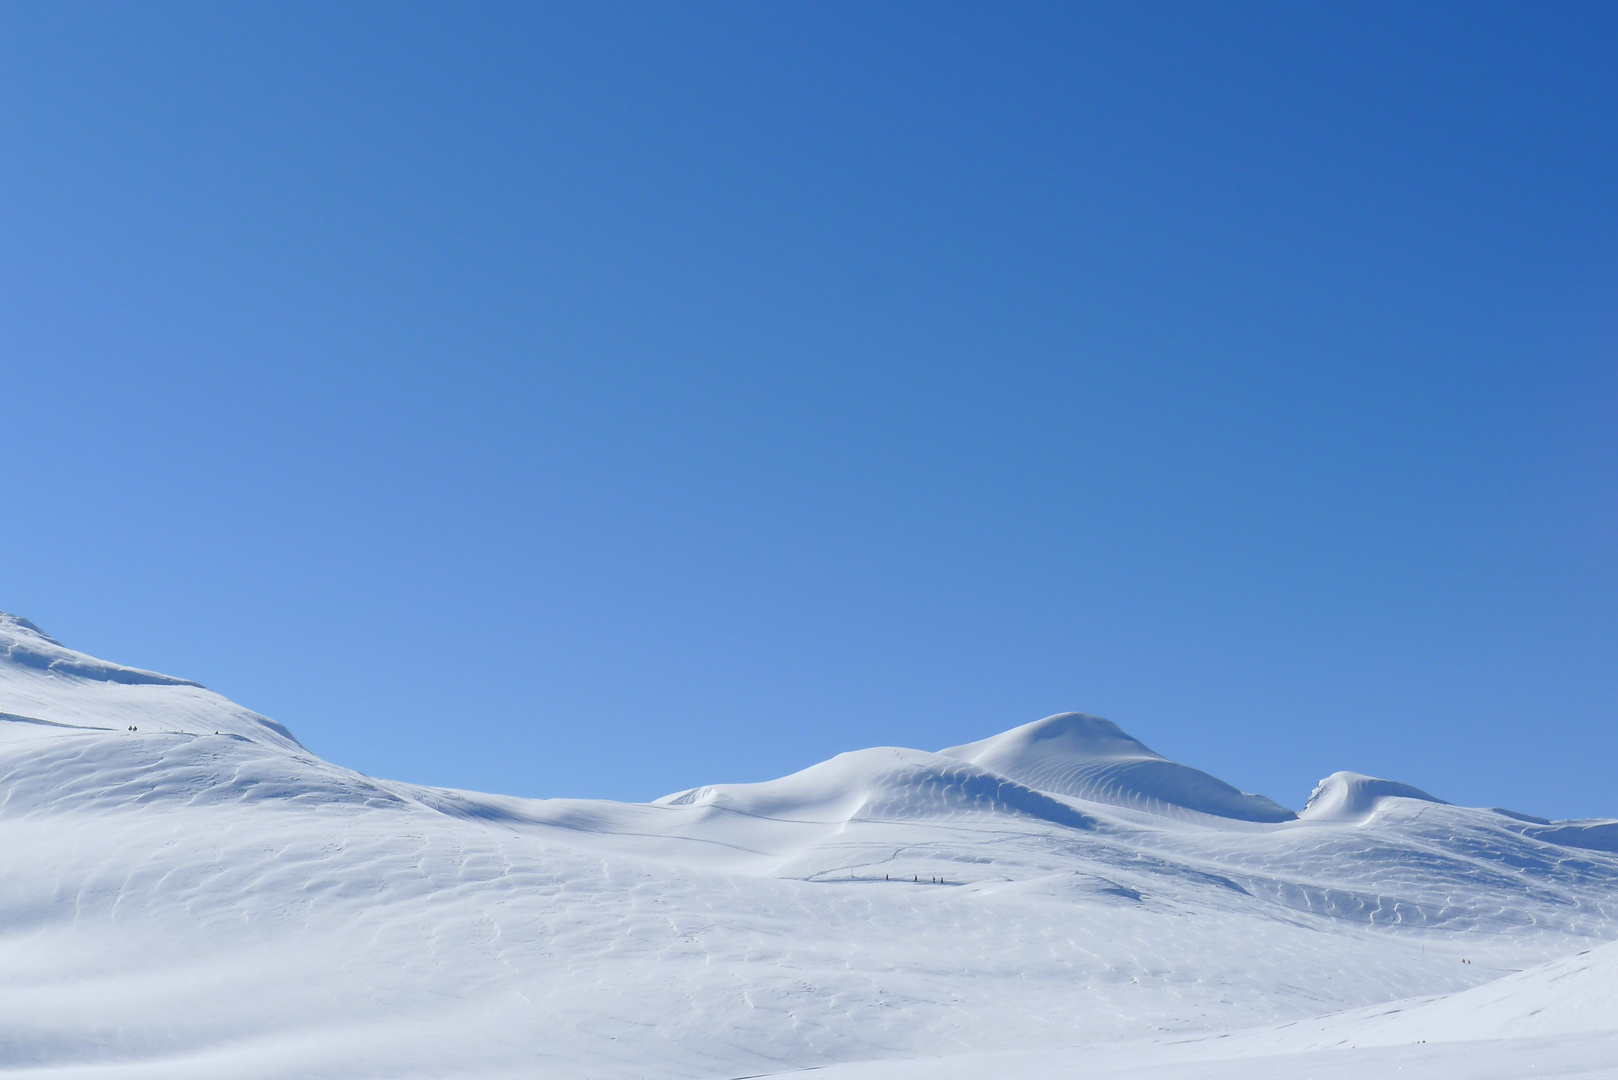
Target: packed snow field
186,892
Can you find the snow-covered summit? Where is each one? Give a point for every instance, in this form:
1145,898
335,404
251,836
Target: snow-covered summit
1090,758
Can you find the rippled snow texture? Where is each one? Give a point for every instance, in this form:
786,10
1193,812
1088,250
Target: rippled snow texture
201,897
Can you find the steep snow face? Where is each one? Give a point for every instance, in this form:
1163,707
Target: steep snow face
1351,796
183,904
1089,758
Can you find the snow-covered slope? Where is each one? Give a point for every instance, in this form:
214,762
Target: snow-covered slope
187,892
1558,1019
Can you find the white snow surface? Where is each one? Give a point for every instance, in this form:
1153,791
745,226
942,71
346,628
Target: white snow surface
202,897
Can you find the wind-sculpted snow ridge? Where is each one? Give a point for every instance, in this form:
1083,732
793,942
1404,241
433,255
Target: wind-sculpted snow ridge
178,903
1351,796
1091,758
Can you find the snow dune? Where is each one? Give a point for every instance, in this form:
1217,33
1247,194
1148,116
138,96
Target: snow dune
187,892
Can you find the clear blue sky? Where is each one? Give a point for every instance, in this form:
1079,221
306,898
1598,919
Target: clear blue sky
606,399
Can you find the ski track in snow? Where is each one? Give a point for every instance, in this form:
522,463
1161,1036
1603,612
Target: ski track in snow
180,903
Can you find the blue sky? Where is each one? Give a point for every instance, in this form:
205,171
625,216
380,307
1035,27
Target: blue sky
606,399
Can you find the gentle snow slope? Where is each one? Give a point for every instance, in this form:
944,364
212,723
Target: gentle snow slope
201,897
1558,1019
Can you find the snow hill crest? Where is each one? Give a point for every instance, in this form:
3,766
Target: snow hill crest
1087,757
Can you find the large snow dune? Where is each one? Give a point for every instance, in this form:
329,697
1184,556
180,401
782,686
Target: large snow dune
186,892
